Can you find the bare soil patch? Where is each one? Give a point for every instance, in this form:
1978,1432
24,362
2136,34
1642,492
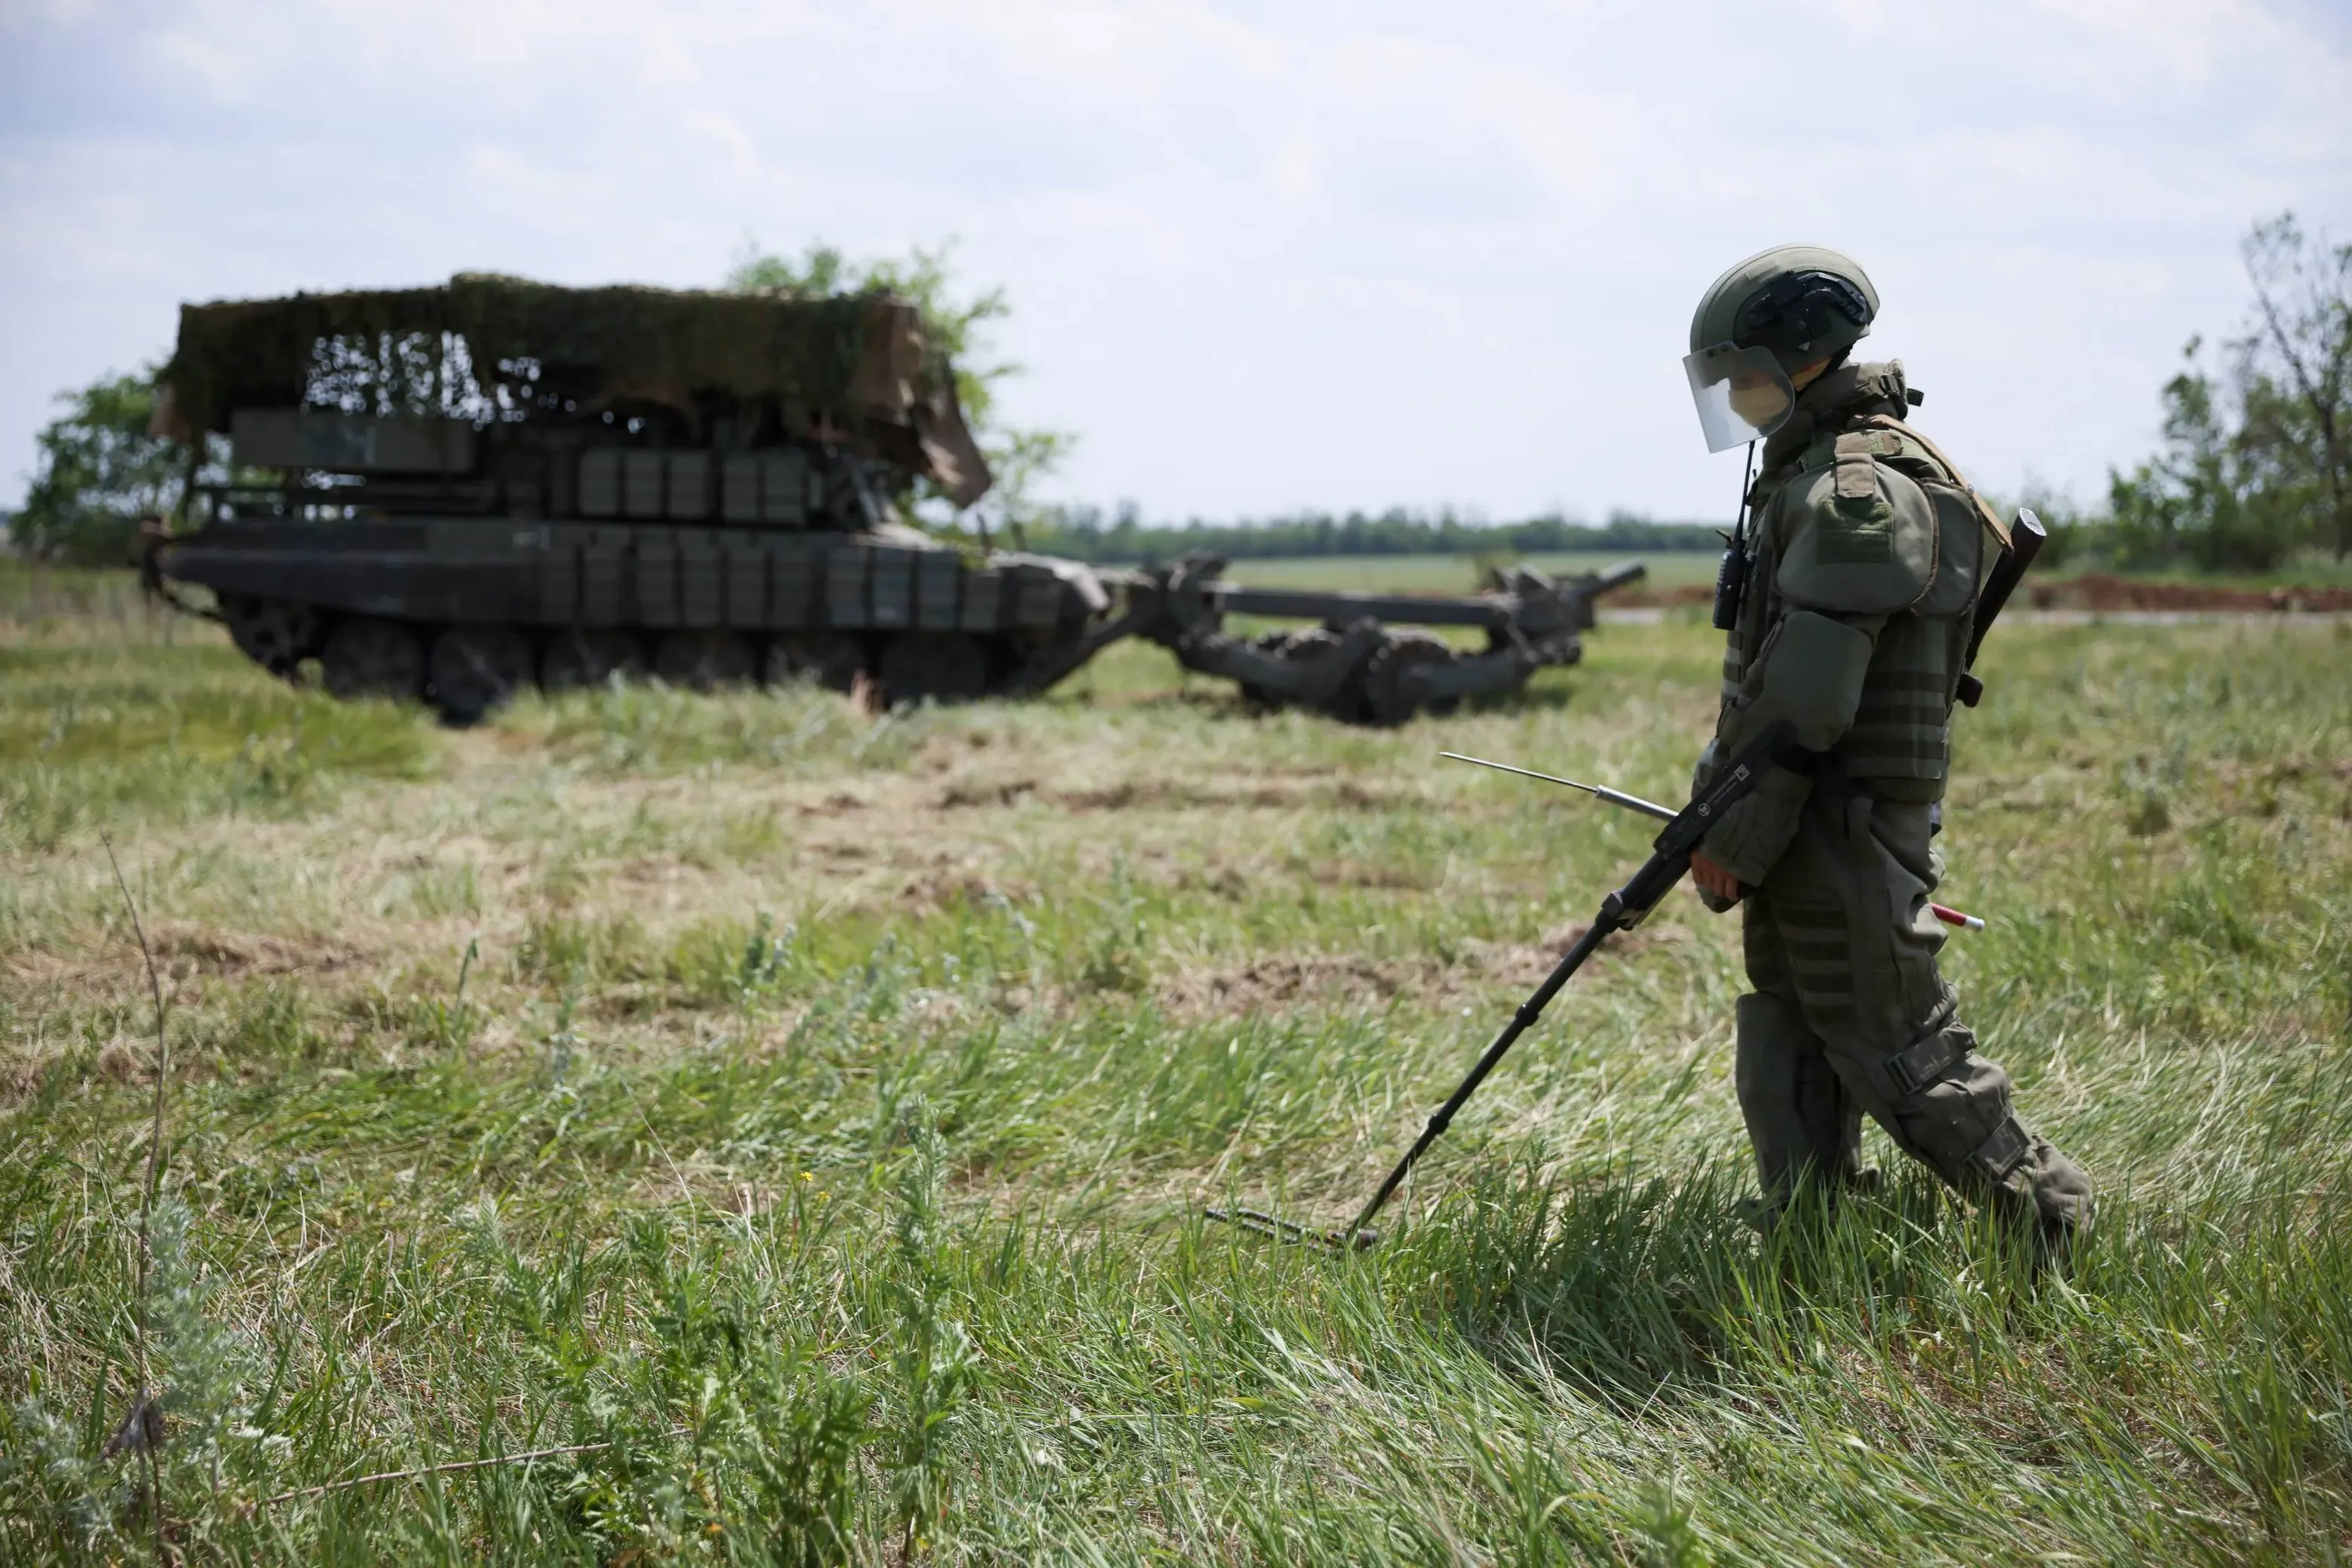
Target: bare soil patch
1641,598
965,792
1352,982
950,888
1344,980
235,954
2099,591
184,952
1133,795
2092,591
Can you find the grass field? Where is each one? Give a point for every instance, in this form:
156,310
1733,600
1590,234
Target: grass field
805,1120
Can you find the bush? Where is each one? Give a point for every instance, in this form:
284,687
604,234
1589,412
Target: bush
99,473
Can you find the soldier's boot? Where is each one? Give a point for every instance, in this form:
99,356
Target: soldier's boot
2049,1197
1949,1107
1804,1125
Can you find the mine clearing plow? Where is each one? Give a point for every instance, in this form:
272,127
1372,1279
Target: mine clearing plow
1356,666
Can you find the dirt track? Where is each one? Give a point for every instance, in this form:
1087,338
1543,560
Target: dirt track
2095,592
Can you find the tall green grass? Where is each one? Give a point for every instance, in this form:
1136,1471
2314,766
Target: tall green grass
135,736
805,1119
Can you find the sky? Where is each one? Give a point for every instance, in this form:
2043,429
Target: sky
1262,258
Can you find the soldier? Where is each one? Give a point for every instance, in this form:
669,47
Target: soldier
1848,602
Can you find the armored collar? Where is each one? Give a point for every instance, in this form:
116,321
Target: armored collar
1842,396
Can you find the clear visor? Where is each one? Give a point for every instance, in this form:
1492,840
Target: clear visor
1742,393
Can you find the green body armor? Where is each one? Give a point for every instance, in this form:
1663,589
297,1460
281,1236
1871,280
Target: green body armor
1862,524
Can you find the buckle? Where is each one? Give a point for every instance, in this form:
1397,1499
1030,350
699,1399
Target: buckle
1915,1068
1997,1155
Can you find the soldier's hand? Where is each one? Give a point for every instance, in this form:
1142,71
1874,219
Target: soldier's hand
1713,879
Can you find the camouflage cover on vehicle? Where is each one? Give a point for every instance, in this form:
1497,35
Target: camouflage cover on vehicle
852,364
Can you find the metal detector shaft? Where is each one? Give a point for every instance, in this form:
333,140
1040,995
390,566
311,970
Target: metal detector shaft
1530,1011
1613,797
1944,912
1625,908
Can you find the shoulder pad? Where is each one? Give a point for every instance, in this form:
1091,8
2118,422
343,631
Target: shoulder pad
1908,456
1922,460
1858,536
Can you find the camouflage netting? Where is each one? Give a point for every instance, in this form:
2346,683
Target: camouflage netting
857,362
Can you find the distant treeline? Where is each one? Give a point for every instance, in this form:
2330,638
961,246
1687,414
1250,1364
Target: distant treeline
1084,533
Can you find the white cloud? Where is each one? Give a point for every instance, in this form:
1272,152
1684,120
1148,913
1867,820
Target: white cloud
1262,258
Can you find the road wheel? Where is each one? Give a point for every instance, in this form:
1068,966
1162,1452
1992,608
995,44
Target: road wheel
1346,703
947,665
1278,644
367,658
832,659
1385,701
474,669
703,660
275,634
580,657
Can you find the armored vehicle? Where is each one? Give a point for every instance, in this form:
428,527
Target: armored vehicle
449,493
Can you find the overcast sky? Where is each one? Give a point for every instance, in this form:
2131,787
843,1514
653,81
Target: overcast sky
1262,256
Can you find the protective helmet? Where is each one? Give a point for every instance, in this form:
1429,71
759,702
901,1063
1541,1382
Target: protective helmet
1769,317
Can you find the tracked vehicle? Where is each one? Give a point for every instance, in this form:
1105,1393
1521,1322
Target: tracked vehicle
450,493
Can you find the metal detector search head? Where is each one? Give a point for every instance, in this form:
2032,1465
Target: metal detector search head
1291,1231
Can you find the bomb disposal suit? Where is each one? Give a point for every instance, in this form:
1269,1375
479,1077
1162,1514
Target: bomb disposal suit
1848,601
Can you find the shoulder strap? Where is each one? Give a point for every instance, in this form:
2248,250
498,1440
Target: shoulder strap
1992,518
1856,454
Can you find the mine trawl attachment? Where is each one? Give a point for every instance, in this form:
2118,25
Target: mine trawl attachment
1356,666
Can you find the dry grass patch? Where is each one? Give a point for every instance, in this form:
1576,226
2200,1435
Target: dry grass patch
230,954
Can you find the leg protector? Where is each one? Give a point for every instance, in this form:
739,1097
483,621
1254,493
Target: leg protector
1847,929
1961,1122
1800,1120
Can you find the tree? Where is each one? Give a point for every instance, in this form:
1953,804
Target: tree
2294,370
2206,496
99,472
2258,464
957,324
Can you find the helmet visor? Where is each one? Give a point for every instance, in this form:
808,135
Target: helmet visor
1742,393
